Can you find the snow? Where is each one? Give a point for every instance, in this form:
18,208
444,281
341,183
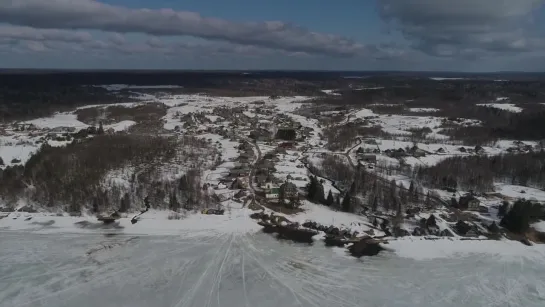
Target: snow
539,226
421,249
119,104
118,87
58,120
325,216
120,126
369,88
417,110
514,191
150,223
503,106
363,113
331,92
246,270
443,78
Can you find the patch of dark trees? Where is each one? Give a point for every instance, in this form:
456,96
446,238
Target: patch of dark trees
21,101
478,173
286,134
73,174
423,92
341,136
518,217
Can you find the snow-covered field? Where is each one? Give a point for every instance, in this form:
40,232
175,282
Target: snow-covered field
503,106
254,269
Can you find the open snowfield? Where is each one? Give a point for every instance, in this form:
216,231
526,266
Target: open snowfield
249,268
503,106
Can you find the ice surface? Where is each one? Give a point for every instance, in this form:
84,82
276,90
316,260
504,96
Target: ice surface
250,269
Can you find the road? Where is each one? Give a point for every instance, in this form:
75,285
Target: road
251,176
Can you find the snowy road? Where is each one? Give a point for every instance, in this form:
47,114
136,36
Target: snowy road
235,270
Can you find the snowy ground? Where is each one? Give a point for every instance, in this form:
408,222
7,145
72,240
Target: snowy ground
252,269
503,106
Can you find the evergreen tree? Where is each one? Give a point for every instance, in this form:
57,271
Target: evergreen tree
427,201
374,205
520,216
100,128
346,205
393,190
125,203
311,187
502,210
95,205
330,200
338,201
319,197
173,202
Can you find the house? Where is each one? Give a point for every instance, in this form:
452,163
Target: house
272,191
469,202
260,179
239,172
418,152
62,129
400,152
239,164
289,190
286,145
367,158
239,183
261,135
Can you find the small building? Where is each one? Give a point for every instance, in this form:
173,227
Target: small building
260,179
287,145
62,129
469,202
239,172
289,190
261,135
272,191
239,183
418,152
367,158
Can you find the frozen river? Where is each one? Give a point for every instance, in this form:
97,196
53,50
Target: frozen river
237,270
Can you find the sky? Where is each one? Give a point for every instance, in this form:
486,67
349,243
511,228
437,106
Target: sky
418,35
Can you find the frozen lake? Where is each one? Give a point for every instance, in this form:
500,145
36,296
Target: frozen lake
236,270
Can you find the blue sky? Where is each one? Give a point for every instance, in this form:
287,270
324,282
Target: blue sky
462,35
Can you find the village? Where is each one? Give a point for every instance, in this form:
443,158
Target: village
270,158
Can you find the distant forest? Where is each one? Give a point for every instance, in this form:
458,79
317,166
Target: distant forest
30,94
479,173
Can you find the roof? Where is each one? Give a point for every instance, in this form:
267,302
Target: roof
289,187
